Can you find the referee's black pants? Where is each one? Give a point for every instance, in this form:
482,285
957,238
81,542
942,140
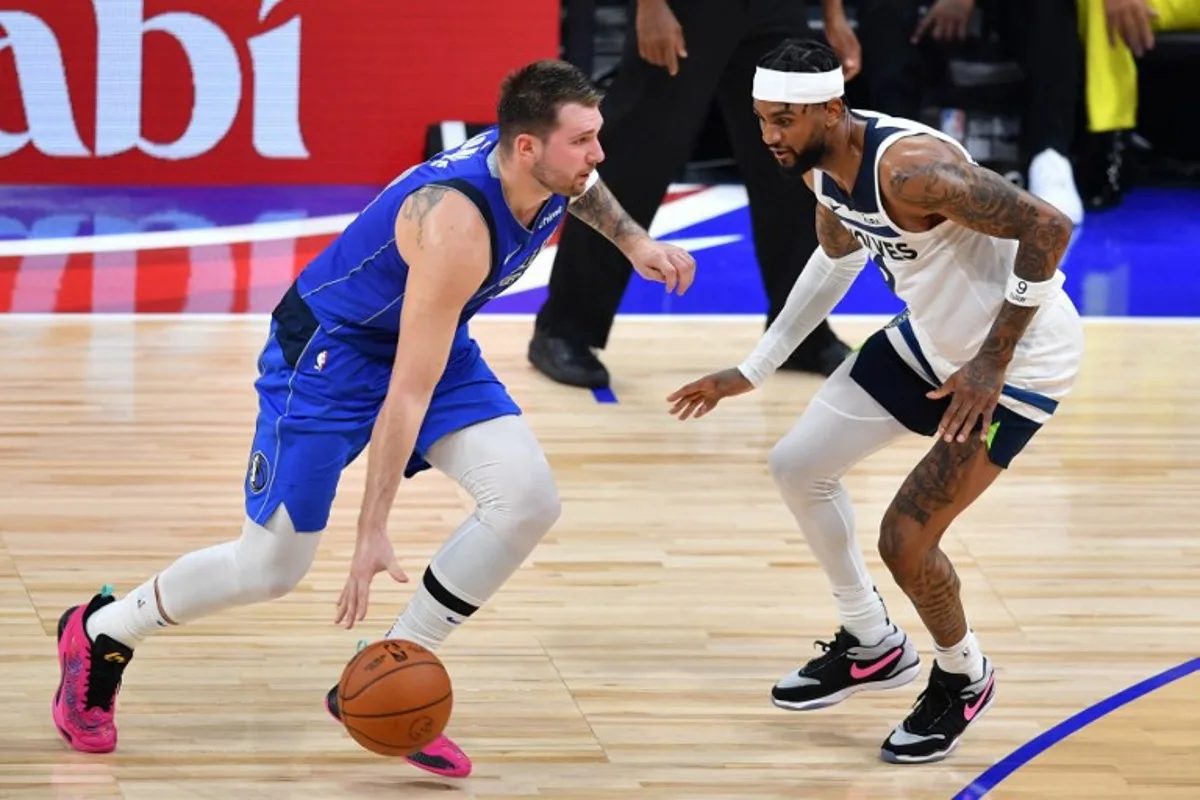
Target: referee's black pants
651,123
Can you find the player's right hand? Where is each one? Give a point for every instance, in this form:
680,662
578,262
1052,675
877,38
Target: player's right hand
372,554
703,395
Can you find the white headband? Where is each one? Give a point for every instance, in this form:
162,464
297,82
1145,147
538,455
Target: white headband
798,87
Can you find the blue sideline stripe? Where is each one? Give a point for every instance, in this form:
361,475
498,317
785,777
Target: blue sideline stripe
1018,758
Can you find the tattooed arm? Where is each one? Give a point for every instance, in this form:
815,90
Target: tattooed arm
922,179
832,235
928,180
655,261
599,209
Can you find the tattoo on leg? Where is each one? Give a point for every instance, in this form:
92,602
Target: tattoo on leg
910,546
935,594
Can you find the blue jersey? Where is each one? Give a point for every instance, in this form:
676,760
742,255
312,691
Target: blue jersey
355,287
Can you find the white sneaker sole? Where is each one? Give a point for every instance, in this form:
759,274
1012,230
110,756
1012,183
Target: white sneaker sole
896,758
901,678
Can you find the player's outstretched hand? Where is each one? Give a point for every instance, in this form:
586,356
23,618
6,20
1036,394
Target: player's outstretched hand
976,388
703,395
665,263
372,554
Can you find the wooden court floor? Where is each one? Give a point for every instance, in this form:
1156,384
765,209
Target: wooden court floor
633,655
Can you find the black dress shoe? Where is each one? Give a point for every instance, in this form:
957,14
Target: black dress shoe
566,362
822,361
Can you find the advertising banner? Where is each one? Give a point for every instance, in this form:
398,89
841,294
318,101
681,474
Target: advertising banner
228,92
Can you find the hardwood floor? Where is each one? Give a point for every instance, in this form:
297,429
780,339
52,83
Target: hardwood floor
633,654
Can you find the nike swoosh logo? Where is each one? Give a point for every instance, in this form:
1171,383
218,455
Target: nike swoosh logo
969,711
858,673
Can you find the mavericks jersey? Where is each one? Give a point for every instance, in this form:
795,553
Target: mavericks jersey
952,280
355,287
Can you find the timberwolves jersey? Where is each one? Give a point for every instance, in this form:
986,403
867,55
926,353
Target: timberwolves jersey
355,287
952,279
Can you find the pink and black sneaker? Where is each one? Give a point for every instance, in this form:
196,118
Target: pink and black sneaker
441,757
85,701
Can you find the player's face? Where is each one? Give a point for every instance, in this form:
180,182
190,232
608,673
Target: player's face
795,134
569,155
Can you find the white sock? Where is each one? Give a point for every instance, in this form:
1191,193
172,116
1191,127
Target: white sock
863,613
426,620
964,658
130,619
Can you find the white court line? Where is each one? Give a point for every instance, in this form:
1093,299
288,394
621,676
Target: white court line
159,240
711,201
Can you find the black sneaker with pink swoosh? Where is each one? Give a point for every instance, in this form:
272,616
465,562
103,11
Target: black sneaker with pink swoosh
847,666
949,705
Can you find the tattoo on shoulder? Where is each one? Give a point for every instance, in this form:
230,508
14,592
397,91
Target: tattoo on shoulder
832,235
599,209
416,206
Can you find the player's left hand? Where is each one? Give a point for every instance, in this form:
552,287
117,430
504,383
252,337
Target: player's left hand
372,554
664,263
976,390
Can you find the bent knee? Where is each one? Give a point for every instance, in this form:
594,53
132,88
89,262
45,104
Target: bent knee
536,505
799,471
522,497
272,560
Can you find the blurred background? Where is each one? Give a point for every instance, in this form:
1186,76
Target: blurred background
216,145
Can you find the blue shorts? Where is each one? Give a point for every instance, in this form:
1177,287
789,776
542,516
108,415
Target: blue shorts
317,401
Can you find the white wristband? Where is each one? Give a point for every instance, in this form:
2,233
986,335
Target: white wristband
1022,292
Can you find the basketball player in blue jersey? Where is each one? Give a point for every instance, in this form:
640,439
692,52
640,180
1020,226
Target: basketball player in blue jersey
371,344
988,346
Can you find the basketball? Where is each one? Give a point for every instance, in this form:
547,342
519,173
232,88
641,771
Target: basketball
395,697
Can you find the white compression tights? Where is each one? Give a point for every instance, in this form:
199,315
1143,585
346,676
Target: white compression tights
499,462
502,465
841,426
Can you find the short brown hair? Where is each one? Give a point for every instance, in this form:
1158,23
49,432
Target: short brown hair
530,98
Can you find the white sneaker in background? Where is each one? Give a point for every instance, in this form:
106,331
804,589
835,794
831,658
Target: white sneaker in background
1052,179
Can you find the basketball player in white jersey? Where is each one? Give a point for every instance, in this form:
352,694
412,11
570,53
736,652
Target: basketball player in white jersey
987,347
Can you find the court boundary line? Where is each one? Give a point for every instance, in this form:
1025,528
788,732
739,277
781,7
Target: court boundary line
674,319
996,774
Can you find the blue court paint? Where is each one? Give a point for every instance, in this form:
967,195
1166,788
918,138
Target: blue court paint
604,395
1018,758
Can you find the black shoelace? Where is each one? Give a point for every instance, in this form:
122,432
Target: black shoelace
103,683
840,644
930,706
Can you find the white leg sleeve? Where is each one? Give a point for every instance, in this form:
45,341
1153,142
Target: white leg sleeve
841,426
503,467
263,564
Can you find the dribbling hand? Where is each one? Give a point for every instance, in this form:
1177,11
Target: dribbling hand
703,395
372,554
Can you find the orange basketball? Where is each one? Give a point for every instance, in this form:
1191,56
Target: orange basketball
395,697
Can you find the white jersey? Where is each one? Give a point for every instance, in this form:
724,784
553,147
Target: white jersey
952,279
